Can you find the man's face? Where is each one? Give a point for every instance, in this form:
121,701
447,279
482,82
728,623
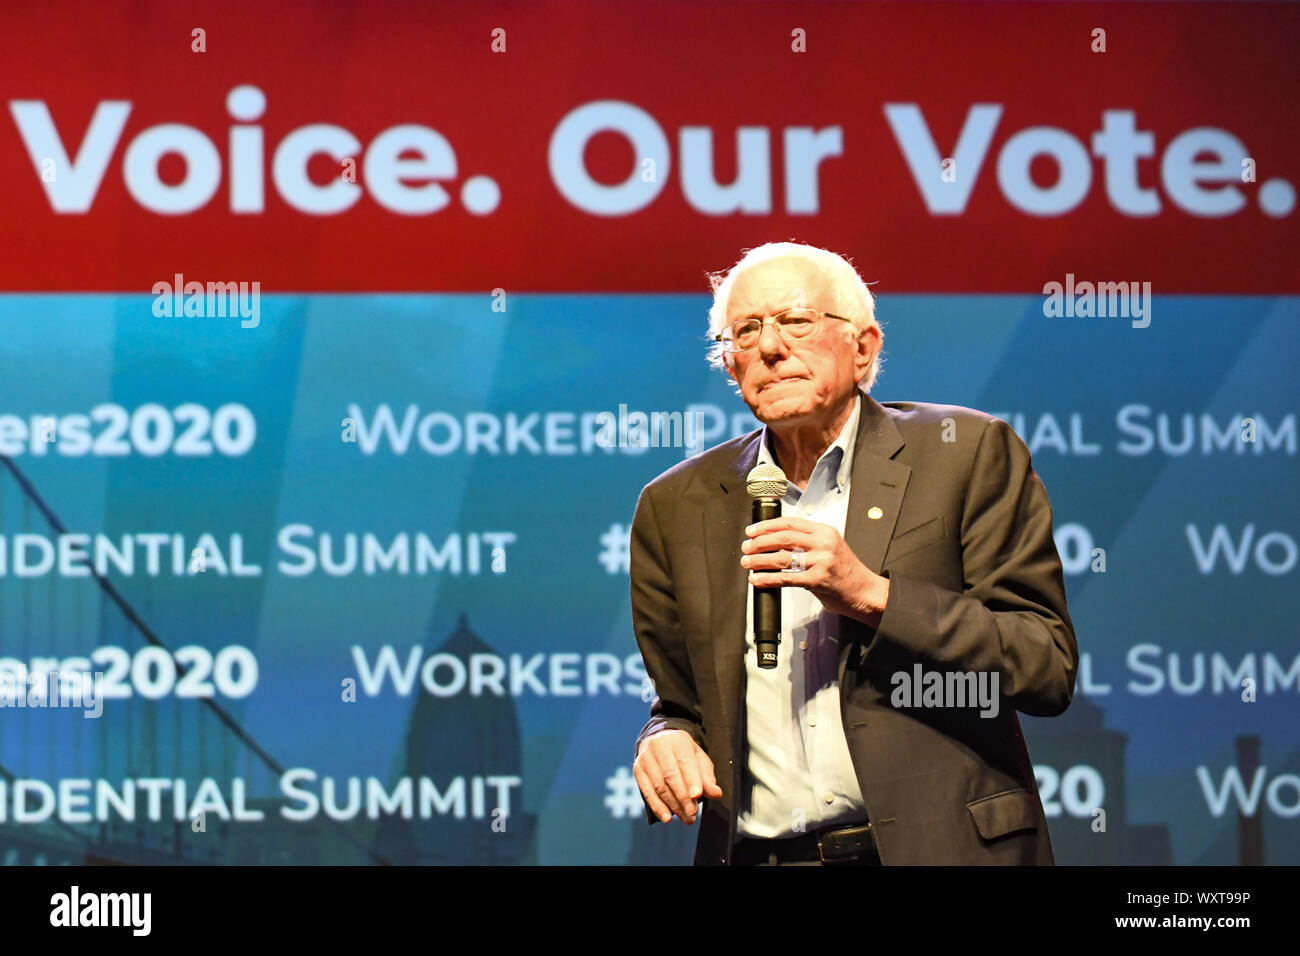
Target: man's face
789,383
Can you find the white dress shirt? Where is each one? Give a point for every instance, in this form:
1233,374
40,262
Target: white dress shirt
799,776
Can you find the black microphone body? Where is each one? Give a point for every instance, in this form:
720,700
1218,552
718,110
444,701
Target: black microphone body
767,601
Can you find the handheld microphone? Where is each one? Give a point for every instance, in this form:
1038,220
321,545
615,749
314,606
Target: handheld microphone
766,484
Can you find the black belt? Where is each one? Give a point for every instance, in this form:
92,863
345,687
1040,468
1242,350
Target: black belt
852,844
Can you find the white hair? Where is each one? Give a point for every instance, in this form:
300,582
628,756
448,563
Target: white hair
853,300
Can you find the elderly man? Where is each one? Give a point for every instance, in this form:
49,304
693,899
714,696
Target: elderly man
923,604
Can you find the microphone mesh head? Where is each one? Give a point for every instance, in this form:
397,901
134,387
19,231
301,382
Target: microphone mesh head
766,481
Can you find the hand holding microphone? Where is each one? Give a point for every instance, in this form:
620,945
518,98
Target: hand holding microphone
795,552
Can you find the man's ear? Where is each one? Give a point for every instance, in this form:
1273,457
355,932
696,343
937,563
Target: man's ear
868,347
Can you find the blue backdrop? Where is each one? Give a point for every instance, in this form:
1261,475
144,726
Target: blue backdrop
466,688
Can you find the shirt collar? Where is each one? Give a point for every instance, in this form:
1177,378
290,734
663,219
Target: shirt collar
843,447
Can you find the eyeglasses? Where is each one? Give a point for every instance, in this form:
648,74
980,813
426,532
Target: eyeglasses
792,324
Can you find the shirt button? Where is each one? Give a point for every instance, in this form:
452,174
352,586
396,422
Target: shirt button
828,797
812,720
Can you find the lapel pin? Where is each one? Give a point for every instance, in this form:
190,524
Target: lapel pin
875,513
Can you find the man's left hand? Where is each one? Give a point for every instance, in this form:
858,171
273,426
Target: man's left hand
831,571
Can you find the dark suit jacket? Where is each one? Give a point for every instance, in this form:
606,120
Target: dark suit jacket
975,585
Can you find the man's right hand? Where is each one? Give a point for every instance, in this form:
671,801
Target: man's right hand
673,772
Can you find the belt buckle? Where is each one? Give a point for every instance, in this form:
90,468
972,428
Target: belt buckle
821,852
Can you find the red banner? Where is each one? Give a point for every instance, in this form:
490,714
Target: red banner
627,147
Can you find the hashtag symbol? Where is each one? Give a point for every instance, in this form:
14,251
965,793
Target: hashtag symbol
614,555
624,798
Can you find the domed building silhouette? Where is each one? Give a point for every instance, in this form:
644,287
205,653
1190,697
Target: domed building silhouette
461,736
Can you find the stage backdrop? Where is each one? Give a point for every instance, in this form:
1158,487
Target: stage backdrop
337,341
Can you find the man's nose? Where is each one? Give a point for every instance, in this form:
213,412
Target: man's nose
770,343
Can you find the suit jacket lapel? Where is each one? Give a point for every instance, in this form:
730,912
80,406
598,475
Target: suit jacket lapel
726,515
878,482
